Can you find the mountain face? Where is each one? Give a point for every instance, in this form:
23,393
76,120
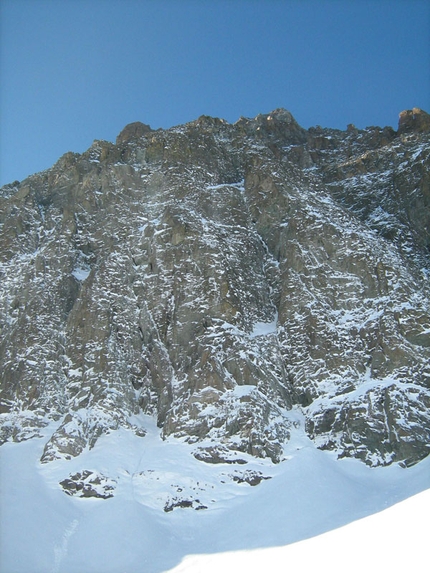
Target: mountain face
233,280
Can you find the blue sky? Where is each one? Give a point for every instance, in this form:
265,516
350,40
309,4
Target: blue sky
72,71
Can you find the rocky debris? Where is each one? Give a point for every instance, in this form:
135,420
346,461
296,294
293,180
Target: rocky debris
174,503
217,454
88,484
251,477
217,276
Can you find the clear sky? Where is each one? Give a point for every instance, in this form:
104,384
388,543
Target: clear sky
72,71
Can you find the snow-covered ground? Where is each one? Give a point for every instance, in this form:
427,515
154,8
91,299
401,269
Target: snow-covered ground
394,540
229,525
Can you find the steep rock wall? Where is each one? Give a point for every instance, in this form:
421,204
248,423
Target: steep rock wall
217,276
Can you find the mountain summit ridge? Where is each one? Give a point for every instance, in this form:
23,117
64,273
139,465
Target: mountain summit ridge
222,277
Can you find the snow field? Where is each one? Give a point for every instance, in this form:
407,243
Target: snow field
43,530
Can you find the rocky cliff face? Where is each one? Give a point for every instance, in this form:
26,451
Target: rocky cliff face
221,277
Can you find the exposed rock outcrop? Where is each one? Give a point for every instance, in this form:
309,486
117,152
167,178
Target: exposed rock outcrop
218,276
88,484
414,120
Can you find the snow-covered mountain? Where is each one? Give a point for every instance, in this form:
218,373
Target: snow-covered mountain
258,290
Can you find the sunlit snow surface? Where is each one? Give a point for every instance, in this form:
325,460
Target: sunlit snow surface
393,540
44,530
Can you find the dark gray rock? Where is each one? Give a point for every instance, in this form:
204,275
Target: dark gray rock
88,484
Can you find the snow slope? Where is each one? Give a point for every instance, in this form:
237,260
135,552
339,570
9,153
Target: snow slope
140,530
393,540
